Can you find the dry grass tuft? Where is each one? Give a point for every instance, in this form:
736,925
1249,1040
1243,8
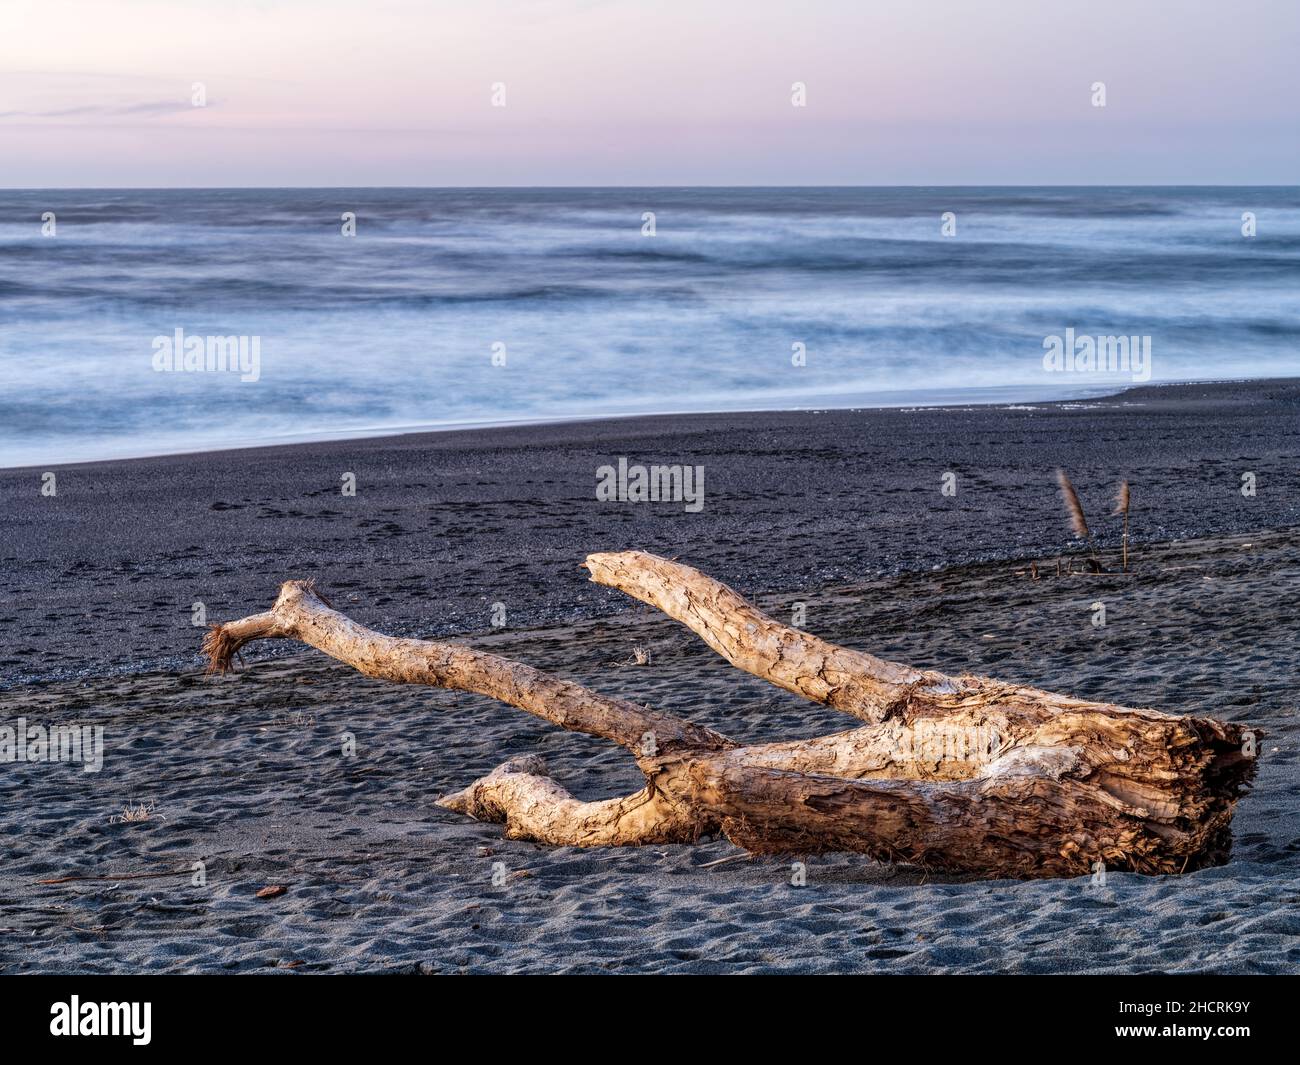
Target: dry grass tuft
133,813
1072,505
1078,522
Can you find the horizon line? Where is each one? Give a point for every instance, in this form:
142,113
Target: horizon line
674,185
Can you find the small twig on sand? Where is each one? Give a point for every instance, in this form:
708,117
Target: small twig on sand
116,876
1121,508
722,861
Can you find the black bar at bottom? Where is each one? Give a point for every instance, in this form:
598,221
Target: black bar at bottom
336,1013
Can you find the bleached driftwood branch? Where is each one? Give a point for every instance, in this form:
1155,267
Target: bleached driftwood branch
959,773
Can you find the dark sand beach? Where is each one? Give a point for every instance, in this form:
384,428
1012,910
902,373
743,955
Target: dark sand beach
840,510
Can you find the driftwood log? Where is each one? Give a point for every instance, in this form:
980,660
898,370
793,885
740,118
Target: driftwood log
964,774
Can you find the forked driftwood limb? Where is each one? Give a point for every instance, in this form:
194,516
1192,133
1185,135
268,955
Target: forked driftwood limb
965,774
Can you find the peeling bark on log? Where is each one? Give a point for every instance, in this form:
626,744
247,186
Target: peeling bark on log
964,774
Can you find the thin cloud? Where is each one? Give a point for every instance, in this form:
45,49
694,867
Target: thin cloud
147,107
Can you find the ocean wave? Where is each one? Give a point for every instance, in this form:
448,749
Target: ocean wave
398,324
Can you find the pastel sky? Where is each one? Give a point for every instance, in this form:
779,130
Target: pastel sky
647,92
